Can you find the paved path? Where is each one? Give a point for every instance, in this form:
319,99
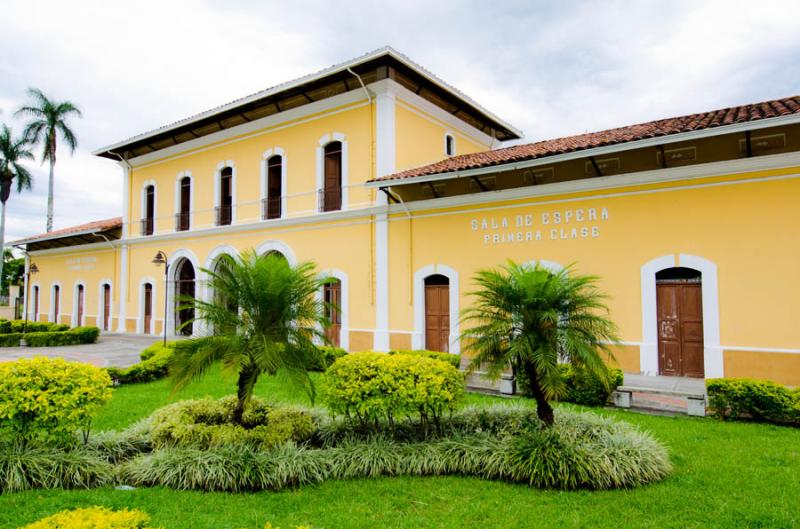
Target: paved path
118,350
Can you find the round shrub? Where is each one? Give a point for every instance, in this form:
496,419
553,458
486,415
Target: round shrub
93,518
47,400
450,358
207,423
370,386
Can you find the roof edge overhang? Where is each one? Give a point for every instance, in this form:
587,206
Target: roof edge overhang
594,151
112,150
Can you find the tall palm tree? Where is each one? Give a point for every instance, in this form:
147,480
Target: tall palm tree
531,319
266,316
12,152
48,122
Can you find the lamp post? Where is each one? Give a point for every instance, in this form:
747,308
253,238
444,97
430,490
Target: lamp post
158,260
32,269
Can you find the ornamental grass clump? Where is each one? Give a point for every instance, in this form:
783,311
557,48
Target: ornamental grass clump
26,467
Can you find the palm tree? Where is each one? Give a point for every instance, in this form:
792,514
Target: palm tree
266,317
48,122
531,319
12,152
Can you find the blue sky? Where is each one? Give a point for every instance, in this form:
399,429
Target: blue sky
550,68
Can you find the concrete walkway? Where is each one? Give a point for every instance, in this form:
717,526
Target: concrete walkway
117,350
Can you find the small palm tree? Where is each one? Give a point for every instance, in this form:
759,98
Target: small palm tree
48,122
266,317
12,152
532,319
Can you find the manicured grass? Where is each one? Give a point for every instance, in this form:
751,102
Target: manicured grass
726,475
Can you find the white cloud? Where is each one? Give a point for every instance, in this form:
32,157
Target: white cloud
550,68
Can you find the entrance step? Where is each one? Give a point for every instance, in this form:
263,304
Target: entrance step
660,400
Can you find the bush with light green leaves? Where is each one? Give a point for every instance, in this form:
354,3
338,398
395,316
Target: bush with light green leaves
368,386
45,400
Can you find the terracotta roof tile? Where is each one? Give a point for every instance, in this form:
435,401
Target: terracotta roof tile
97,225
651,129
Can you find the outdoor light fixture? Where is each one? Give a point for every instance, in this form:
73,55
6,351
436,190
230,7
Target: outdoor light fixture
32,269
158,260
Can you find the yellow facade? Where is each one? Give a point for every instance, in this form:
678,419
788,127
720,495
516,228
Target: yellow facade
733,222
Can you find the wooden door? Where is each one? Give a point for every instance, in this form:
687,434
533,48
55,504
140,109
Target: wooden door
148,307
79,319
680,328
333,300
333,177
437,317
35,315
106,306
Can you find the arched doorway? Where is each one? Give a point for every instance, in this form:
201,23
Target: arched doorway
679,309
184,289
79,305
147,311
437,313
332,295
106,307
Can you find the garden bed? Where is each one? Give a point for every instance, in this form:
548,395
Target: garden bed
44,334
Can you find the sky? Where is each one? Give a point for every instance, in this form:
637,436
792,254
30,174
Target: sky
549,68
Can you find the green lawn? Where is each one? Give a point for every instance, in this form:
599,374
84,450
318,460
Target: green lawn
726,475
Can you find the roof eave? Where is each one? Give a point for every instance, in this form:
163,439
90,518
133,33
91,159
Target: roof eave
387,50
594,151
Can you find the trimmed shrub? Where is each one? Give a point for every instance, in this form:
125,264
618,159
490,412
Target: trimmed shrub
450,358
47,400
93,518
7,327
758,400
25,467
153,366
582,386
326,357
59,335
369,386
206,423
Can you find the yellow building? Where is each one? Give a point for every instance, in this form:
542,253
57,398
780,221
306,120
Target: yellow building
393,182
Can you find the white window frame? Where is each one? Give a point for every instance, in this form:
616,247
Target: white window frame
323,141
269,153
143,210
418,338
452,136
218,190
344,308
178,179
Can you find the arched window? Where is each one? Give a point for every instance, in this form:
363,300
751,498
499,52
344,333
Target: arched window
105,306
148,308
184,292
331,193
437,313
148,220
272,202
449,145
35,304
332,296
182,217
79,305
56,301
225,206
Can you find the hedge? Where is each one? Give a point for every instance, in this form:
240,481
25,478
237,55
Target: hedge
54,338
16,326
582,387
368,386
453,359
757,400
48,400
153,366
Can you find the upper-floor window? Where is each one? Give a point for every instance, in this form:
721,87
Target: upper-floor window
331,192
449,145
182,217
148,219
272,202
225,206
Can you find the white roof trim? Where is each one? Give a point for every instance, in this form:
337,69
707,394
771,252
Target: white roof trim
387,50
595,151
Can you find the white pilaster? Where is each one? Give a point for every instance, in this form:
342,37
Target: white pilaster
385,146
123,284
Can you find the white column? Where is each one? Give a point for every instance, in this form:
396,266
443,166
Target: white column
126,199
385,146
123,286
25,286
